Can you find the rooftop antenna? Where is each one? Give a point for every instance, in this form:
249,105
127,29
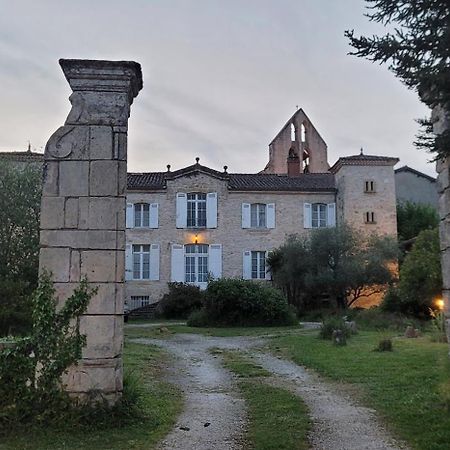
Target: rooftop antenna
361,152
29,146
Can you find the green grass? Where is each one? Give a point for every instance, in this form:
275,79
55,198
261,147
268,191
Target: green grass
160,405
278,420
403,386
154,332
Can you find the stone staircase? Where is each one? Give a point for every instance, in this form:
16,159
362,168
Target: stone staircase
144,312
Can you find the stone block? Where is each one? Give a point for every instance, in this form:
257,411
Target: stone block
446,298
75,263
99,266
74,178
120,266
122,180
56,261
83,213
101,142
106,213
81,239
104,178
50,185
104,335
120,144
52,212
108,300
71,213
445,263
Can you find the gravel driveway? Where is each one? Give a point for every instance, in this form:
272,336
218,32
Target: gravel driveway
214,416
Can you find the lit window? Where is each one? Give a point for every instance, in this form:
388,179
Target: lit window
196,210
196,263
319,215
141,215
258,215
370,217
141,262
258,265
369,186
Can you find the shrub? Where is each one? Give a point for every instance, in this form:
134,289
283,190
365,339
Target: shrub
331,324
181,300
385,345
235,302
198,318
377,319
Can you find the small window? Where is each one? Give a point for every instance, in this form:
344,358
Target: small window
141,215
369,186
293,133
369,217
196,210
141,262
319,215
303,133
138,301
258,215
259,265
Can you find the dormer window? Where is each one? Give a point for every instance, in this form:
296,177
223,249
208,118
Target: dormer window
369,186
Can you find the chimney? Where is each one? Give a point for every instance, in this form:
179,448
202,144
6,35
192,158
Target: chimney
293,164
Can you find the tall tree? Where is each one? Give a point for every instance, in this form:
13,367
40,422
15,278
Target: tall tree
417,49
412,218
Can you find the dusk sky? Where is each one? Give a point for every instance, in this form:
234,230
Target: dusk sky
220,78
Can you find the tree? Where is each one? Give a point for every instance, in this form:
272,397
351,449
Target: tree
412,218
338,262
417,51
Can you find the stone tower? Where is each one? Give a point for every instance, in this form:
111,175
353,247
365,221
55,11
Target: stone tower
83,213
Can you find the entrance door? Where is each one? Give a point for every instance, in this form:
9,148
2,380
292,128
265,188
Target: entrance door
196,264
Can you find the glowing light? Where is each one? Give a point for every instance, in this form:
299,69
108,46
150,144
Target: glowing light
439,303
196,239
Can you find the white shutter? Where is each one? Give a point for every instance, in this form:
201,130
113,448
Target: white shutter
211,210
128,262
246,215
154,262
247,265
268,272
181,210
307,215
154,215
215,260
331,215
130,215
270,213
177,263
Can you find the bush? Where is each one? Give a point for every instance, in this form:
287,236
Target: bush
234,302
385,345
377,318
198,318
331,324
181,300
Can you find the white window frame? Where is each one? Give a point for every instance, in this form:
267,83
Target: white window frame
256,210
196,255
140,252
141,216
316,210
138,301
193,205
259,265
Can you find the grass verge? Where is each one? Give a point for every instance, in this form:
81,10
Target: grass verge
278,420
159,405
404,386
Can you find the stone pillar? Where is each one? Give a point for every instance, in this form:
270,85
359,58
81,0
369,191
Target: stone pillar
83,213
441,122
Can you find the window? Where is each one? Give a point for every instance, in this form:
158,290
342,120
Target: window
258,215
259,265
141,262
196,210
369,217
138,301
369,186
141,215
196,263
319,215
293,133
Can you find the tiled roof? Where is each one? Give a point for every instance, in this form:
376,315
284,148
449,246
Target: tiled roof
364,160
22,156
415,172
143,181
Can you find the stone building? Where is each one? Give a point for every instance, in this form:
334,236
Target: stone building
186,224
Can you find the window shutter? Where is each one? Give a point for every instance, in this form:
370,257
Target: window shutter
268,272
177,263
331,215
130,215
154,215
270,212
128,262
211,210
215,260
307,215
181,210
245,215
154,262
247,265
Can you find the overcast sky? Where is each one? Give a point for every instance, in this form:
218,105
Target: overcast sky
221,77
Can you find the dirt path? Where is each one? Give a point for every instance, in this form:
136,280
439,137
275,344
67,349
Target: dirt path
212,398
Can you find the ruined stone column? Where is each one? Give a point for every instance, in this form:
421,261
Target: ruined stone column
83,213
441,122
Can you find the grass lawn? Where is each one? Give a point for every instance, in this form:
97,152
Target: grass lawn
278,419
161,403
403,385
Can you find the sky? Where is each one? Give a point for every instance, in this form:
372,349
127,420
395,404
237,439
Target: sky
221,78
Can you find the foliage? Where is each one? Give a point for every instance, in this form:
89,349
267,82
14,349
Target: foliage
234,302
420,278
181,300
377,319
336,262
438,327
30,372
417,51
198,318
384,345
412,218
331,324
